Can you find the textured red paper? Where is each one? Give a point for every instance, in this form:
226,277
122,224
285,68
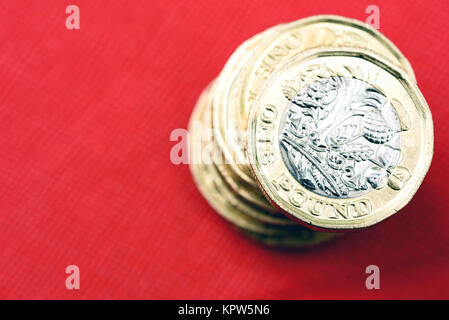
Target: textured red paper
86,177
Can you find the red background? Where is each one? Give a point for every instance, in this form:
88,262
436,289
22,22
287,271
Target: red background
86,177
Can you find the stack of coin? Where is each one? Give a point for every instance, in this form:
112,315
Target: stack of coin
315,124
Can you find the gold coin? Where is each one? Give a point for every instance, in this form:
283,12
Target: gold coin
245,188
230,122
205,175
230,83
340,138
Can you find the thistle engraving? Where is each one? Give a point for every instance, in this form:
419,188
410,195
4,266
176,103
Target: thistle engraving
340,136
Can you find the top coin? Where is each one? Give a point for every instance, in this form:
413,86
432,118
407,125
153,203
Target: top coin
340,138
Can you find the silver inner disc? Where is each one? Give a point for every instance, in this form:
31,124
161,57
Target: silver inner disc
339,137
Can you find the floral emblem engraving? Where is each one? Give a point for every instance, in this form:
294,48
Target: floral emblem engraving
340,137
